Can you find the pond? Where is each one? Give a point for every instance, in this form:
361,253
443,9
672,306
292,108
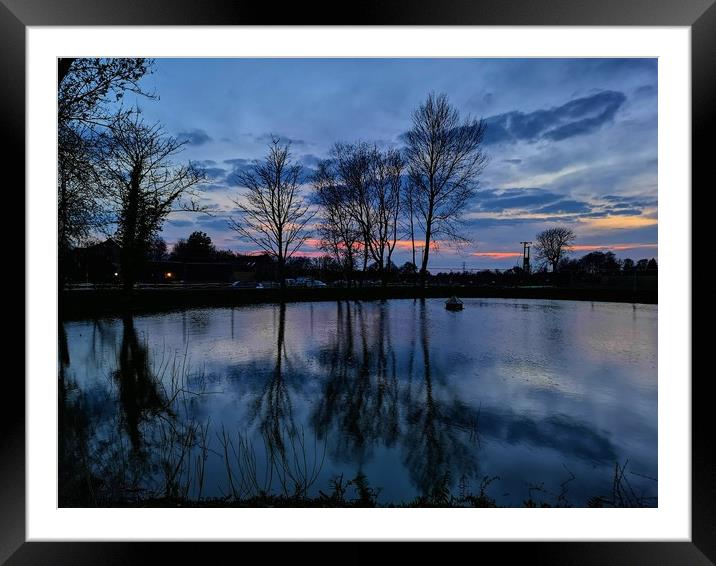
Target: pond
506,403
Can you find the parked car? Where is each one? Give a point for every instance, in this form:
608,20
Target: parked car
246,285
317,283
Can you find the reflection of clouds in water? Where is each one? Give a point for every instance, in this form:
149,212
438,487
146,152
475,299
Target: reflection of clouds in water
405,384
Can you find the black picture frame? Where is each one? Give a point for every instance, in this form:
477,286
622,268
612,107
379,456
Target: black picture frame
16,15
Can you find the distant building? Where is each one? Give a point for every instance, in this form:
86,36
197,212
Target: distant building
98,263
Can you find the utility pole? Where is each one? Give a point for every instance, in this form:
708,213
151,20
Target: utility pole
526,256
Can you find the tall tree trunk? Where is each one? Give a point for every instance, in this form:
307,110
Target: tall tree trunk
129,235
365,263
428,234
412,232
382,269
388,267
282,271
64,247
426,251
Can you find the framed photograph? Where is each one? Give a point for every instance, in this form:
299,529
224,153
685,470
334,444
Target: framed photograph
408,276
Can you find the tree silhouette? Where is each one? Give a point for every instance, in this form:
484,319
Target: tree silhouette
445,157
553,244
273,214
143,185
197,247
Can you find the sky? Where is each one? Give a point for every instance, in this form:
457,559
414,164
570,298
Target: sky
570,142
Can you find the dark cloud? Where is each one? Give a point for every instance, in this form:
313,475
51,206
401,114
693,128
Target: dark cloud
239,166
546,202
194,137
181,223
214,187
513,161
213,173
498,200
205,163
478,225
239,161
576,117
309,160
645,90
624,211
268,138
616,201
213,223
566,207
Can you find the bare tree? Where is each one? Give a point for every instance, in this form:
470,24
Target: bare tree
445,158
274,216
383,205
143,185
339,233
553,244
352,169
368,185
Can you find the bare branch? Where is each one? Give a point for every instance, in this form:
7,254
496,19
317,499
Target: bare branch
272,213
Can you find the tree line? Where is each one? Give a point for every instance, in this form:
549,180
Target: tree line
553,246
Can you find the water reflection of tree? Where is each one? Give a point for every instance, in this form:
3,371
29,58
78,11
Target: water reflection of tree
367,387
359,405
273,407
139,394
76,484
152,417
439,440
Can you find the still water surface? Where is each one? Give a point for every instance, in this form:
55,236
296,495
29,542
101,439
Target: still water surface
548,396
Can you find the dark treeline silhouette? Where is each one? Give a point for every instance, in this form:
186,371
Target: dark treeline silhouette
197,259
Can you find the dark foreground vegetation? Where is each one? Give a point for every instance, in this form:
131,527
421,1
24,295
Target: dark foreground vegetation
358,492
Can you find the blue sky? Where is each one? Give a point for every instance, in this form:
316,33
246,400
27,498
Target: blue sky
570,141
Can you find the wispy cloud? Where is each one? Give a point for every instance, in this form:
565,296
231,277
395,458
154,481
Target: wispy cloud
619,222
612,247
194,137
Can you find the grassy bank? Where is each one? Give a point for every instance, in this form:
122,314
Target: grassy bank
95,302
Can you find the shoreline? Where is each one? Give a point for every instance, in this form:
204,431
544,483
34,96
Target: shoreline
91,303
